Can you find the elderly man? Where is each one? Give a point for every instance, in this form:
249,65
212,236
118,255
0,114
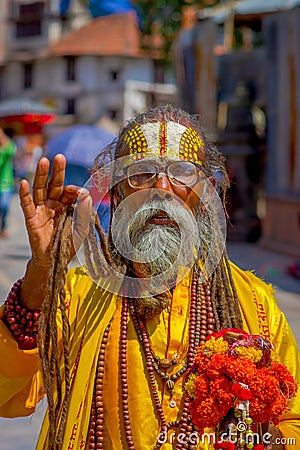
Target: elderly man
118,335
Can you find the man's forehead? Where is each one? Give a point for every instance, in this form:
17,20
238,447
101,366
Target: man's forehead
164,139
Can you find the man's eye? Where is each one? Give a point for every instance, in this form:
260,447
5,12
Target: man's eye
182,171
143,169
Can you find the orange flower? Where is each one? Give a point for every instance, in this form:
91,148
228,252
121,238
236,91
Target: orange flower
218,378
287,383
241,392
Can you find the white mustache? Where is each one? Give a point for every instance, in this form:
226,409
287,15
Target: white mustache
129,225
147,211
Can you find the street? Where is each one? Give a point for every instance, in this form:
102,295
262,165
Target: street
17,434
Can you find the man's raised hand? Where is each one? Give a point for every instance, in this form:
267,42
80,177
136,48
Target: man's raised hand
40,209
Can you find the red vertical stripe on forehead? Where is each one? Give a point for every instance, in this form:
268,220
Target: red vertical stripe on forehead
163,139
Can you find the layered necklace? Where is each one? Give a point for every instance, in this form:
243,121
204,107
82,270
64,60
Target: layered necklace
203,320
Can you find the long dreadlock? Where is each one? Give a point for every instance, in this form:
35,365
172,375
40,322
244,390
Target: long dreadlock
57,378
97,246
48,334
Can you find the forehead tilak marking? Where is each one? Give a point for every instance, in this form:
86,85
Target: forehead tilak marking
191,145
136,140
164,138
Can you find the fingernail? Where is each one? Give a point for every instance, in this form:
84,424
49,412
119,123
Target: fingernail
83,191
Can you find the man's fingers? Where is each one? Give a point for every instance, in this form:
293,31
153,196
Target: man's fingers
70,194
56,183
83,217
39,189
27,205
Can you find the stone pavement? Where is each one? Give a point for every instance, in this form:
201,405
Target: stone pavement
21,433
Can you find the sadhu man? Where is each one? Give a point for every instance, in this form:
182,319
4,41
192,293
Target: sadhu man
112,341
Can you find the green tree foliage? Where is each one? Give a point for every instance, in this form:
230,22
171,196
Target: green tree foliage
160,21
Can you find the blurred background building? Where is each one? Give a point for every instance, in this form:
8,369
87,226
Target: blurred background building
239,68
70,61
234,62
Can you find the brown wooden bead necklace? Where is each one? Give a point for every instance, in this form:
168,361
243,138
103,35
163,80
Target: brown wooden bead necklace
202,321
95,436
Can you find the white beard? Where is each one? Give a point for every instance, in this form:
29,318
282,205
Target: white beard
156,250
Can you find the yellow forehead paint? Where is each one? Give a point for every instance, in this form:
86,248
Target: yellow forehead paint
164,139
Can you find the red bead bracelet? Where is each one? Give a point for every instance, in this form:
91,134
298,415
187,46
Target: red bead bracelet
21,321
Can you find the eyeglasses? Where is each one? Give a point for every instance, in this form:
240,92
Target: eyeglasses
180,173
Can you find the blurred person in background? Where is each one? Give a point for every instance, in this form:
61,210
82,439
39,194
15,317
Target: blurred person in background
7,185
30,150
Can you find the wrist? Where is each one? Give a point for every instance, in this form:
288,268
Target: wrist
34,284
38,263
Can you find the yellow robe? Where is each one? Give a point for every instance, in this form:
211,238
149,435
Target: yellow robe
91,308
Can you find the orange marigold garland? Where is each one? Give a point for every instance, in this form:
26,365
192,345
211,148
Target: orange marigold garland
235,384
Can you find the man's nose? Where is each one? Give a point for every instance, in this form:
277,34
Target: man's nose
162,189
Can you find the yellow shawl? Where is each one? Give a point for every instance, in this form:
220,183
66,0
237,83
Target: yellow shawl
91,308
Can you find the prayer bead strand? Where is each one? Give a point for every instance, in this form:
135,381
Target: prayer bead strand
200,325
21,321
202,321
123,372
96,427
